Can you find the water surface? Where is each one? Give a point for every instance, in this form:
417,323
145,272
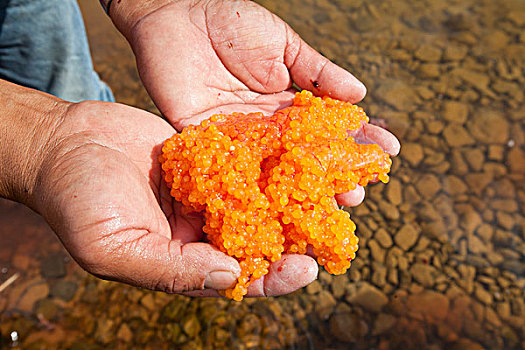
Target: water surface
441,258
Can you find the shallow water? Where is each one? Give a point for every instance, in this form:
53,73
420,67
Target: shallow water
441,258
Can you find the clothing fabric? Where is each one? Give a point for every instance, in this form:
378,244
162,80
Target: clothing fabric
43,45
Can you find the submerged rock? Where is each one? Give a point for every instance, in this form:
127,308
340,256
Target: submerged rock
368,297
431,306
348,327
406,237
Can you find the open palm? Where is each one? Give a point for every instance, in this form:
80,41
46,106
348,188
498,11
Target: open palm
101,190
205,57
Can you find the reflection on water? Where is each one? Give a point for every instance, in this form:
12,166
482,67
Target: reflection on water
441,262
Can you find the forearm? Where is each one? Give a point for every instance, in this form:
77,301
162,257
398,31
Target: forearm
27,120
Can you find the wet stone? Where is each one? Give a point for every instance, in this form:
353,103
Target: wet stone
124,333
21,262
516,160
459,165
383,323
429,70
47,308
495,169
173,333
379,272
455,112
478,181
504,205
477,79
458,23
406,237
368,297
455,52
32,295
393,276
314,288
475,158
393,192
425,93
105,330
428,185
191,326
428,53
397,94
64,290
489,127
435,126
515,266
424,274
496,152
482,294
430,305
455,185
428,212
383,238
476,245
510,336
495,40
470,218
148,302
348,327
338,286
413,153
492,317
505,220
517,17
389,211
503,310
325,304
457,136
53,266
90,294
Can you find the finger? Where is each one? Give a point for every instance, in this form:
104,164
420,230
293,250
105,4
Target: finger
154,262
352,198
290,273
374,134
312,71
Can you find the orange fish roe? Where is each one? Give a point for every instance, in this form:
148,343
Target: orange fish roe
267,183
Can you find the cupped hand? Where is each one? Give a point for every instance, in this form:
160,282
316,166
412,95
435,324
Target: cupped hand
197,58
101,189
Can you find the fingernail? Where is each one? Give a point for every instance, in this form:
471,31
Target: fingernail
219,280
363,89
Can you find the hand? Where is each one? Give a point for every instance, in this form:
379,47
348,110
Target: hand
100,188
197,58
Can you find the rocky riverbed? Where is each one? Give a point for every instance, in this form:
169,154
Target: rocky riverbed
441,262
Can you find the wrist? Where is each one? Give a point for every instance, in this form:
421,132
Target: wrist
28,120
126,14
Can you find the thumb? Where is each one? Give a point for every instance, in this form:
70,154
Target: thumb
153,261
312,71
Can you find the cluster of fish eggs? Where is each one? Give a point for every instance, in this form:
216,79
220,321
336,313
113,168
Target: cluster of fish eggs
266,184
